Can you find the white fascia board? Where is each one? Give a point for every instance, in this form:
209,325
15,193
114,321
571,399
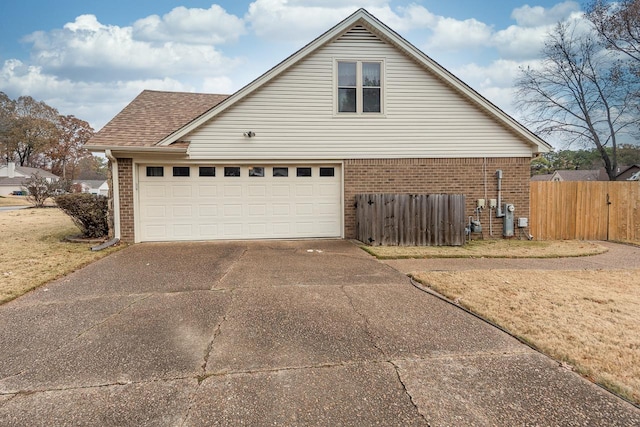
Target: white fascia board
133,149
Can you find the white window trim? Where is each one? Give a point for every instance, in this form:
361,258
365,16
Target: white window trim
359,87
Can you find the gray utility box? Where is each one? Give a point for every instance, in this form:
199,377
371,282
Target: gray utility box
508,220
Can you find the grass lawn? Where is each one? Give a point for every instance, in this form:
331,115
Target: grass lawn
14,201
588,319
491,249
33,252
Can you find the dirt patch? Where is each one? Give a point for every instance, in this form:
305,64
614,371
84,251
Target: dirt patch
588,319
491,249
34,251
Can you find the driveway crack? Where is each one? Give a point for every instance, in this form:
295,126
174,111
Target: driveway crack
406,391
217,331
367,324
108,318
230,268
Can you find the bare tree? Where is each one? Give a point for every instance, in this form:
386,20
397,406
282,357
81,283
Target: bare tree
618,25
578,94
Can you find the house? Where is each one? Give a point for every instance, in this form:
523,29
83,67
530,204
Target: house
92,186
357,110
580,175
542,177
628,173
13,178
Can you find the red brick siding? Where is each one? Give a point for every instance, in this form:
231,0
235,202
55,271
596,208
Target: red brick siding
125,180
436,176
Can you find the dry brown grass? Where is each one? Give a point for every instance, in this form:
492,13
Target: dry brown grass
33,252
14,201
588,319
492,249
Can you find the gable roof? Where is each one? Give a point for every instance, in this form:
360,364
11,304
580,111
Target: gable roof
28,172
580,175
151,116
125,130
542,177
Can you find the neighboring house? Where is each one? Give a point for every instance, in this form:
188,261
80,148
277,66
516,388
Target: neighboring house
542,177
98,187
357,110
580,175
13,178
628,172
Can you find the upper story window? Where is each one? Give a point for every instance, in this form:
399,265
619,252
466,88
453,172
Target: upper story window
359,87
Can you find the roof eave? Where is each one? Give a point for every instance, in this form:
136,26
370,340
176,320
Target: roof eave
133,149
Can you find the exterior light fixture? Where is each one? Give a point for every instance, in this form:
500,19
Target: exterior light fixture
249,134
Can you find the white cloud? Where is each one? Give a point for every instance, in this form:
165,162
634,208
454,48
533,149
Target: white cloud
190,26
452,34
88,50
296,22
528,16
95,102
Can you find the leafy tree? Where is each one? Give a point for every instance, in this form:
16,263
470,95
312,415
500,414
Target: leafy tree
92,167
578,93
32,131
66,153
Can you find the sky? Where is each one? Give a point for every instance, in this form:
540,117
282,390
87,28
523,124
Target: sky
90,58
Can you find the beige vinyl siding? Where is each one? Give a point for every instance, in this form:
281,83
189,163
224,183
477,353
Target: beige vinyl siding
293,115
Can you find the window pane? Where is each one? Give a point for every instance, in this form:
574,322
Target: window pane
231,171
280,171
327,172
181,171
256,171
371,100
207,171
303,172
347,100
371,74
346,74
155,171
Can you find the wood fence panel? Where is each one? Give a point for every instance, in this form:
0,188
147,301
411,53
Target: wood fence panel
409,220
584,210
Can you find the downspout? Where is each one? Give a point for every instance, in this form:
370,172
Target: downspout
116,203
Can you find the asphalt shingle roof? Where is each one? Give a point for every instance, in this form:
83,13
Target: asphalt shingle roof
152,116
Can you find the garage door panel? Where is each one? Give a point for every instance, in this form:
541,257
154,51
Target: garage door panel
181,191
183,211
245,207
207,190
234,190
205,211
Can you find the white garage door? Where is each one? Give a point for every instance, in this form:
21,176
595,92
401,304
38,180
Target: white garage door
208,202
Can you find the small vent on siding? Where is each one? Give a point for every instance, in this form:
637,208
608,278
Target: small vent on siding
359,33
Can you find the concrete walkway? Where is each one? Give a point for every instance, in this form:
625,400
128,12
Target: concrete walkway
270,333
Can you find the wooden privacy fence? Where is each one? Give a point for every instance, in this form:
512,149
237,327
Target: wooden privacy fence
585,210
410,220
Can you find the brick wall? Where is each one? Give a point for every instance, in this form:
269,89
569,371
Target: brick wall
125,177
435,176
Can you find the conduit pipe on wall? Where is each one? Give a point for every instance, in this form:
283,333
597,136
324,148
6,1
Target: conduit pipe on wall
499,213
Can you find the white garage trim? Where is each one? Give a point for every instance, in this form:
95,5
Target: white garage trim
178,201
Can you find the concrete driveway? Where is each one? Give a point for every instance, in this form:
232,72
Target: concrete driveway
270,333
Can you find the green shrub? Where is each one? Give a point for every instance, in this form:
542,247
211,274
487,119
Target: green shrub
88,212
